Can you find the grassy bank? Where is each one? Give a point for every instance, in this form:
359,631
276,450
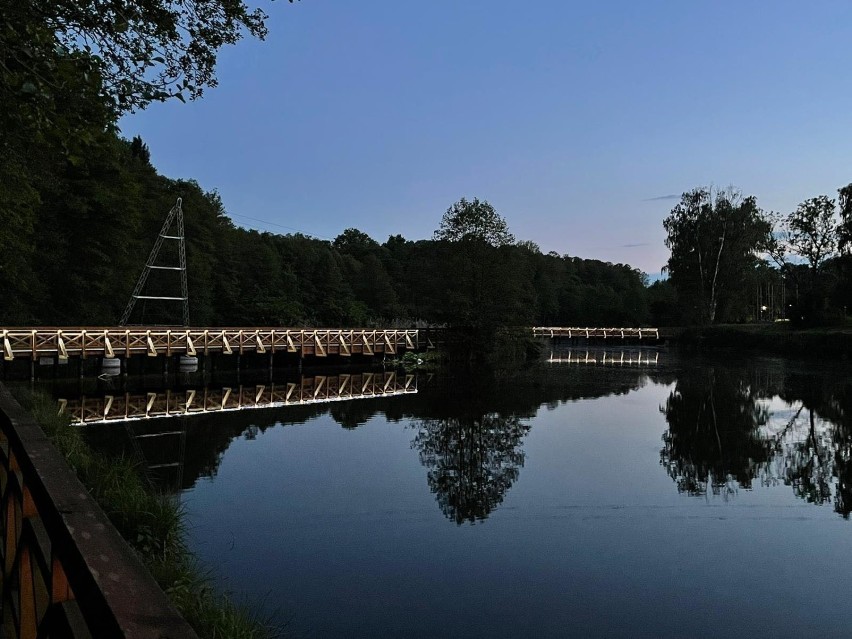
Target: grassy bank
781,337
154,526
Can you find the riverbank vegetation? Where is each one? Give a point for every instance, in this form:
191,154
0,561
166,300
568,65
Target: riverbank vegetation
782,338
153,524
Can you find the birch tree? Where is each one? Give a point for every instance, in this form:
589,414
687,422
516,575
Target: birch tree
714,240
844,229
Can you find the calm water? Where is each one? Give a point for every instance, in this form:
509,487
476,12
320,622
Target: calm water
674,497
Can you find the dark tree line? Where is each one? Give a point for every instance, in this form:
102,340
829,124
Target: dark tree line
81,240
731,261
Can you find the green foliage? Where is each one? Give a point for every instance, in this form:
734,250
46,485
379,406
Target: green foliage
138,52
812,230
474,221
78,235
714,243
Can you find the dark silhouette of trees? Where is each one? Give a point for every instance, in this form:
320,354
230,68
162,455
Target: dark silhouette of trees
474,221
73,253
138,52
714,242
812,231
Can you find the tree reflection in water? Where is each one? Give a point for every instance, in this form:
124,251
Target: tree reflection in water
727,429
815,448
471,462
712,442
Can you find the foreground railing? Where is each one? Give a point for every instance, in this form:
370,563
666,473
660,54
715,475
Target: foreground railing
66,570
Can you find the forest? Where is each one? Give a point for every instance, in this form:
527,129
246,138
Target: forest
84,239
81,206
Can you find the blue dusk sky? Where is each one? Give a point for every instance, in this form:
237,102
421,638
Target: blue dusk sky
581,122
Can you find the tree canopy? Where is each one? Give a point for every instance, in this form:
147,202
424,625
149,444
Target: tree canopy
73,253
812,230
139,52
472,220
714,242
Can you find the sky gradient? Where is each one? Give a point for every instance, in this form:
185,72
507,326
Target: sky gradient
580,122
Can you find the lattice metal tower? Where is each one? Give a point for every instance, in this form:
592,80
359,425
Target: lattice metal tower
174,216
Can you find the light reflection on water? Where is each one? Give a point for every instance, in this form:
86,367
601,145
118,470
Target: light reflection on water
673,497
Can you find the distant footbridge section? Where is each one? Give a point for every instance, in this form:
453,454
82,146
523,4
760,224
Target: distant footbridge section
587,332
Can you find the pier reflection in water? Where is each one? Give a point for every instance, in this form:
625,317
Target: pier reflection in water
319,389
604,357
649,495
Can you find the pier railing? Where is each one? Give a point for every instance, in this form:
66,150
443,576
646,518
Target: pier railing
596,332
155,341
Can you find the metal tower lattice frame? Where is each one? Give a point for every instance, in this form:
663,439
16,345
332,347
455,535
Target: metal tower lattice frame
175,215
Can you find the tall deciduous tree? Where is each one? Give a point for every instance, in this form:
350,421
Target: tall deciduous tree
812,230
844,229
714,243
474,221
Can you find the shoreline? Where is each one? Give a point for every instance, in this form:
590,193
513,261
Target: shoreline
780,339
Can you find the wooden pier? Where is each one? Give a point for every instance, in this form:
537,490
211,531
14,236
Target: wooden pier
574,332
109,342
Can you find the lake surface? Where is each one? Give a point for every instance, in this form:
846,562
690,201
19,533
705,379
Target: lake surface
648,495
